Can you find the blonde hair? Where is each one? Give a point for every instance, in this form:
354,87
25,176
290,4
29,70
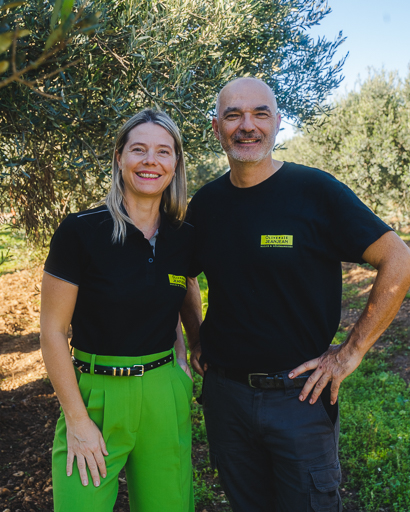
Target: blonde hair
174,197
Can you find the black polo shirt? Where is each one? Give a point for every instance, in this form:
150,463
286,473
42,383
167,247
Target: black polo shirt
272,255
128,299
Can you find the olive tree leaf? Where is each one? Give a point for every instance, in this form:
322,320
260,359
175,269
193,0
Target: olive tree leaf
66,9
5,41
4,65
55,36
56,13
11,5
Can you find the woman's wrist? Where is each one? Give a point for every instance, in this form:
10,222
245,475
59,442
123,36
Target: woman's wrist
75,417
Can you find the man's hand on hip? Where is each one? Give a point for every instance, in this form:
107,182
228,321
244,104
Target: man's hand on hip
334,365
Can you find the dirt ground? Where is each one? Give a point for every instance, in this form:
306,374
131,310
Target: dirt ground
29,407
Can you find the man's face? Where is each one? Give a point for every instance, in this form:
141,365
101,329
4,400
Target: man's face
247,121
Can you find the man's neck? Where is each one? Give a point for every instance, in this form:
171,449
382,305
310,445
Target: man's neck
249,174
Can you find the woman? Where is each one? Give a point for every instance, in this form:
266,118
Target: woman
117,274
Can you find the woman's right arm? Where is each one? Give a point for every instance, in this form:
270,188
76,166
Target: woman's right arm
84,439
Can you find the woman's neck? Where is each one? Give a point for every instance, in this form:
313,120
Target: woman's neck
144,213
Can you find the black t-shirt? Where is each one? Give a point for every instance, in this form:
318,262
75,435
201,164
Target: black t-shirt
272,255
128,299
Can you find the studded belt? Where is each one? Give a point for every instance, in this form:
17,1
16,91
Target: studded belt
137,370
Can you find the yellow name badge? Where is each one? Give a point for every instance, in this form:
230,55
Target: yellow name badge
277,241
177,281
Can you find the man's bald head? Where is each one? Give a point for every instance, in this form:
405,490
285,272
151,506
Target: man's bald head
250,84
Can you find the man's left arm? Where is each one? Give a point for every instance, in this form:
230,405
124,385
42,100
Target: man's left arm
391,257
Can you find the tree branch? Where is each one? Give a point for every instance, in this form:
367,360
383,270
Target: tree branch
34,89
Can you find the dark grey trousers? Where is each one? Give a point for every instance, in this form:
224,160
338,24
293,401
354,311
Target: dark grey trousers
273,452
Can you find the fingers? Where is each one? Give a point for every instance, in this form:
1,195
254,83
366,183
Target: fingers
82,469
188,372
334,391
96,465
307,388
319,387
98,456
93,467
195,365
308,365
184,365
86,443
103,447
332,366
70,460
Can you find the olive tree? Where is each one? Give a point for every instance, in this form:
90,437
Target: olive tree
365,143
173,55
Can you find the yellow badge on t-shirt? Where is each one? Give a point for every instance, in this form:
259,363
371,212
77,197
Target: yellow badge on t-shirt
177,281
277,241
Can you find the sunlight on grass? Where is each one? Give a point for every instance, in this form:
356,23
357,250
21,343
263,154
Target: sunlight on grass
404,236
375,435
351,295
16,252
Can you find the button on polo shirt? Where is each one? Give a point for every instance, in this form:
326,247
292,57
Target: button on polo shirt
128,296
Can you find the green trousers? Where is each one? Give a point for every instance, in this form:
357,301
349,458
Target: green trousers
146,425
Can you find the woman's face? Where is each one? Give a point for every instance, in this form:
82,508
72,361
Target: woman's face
148,161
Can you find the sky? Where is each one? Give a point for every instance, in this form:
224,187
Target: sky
378,36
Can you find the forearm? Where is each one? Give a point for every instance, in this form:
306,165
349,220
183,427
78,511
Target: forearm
381,308
84,439
391,285
60,370
391,257
179,344
191,312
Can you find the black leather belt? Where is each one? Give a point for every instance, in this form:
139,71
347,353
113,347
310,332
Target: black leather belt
137,370
260,380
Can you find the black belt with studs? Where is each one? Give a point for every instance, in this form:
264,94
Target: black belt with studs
137,370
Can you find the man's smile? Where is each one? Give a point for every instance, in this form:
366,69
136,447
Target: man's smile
247,141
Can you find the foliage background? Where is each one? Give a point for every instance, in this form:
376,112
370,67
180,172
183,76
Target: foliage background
365,143
175,55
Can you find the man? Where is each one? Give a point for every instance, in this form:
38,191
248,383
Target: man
270,238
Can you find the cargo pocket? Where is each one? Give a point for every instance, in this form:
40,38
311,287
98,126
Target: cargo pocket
324,495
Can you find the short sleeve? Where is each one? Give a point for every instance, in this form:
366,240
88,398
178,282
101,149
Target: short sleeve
66,256
354,226
195,267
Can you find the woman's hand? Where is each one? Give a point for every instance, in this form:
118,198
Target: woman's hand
85,441
184,365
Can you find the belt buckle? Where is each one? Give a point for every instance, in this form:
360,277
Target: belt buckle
141,366
74,360
250,375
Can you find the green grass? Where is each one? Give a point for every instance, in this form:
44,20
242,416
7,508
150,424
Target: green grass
375,435
350,294
340,337
404,236
16,253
